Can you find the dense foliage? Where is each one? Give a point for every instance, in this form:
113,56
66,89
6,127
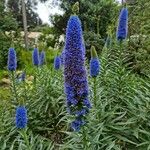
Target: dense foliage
95,15
15,7
139,33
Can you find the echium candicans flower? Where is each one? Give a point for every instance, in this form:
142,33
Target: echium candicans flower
94,63
42,58
35,57
21,117
12,60
76,85
122,29
57,62
76,125
62,57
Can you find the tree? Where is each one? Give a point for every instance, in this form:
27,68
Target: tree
96,16
7,25
25,23
15,8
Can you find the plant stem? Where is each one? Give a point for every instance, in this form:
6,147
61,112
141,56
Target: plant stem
85,144
25,137
95,91
25,93
14,90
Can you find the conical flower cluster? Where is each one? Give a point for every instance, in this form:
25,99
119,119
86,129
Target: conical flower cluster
12,60
76,85
94,63
122,29
21,117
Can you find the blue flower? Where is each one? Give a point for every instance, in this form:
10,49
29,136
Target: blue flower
122,24
57,62
12,60
81,112
94,63
94,67
76,125
74,68
42,58
21,117
35,57
76,84
62,57
87,103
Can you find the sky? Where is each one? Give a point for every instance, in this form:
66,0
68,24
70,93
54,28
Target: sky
44,11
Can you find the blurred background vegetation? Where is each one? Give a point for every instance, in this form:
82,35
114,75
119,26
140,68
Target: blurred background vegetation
98,17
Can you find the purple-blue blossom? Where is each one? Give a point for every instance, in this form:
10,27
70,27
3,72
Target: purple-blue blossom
21,117
62,57
94,63
122,29
94,67
87,103
81,112
57,62
76,124
42,58
12,60
35,57
76,84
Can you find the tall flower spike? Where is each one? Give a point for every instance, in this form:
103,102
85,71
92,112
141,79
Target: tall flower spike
122,29
12,60
21,117
57,62
42,58
35,57
76,85
94,63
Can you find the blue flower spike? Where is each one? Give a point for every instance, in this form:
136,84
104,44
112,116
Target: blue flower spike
57,63
21,117
122,29
12,60
35,57
94,63
76,83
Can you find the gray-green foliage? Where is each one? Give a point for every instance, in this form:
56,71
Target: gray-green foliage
46,113
120,119
47,104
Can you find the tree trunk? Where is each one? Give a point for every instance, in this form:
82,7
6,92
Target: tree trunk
25,24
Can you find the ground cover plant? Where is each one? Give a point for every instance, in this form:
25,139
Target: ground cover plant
76,103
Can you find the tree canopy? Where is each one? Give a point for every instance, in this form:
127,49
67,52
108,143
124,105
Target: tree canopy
15,8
